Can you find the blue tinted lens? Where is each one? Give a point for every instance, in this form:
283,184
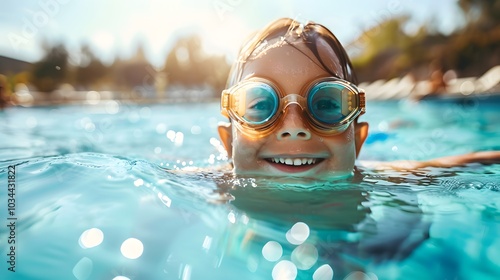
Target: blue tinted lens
261,103
325,102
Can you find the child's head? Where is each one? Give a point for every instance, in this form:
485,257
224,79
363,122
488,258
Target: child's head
293,105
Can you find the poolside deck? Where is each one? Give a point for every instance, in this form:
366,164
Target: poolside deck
401,88
394,89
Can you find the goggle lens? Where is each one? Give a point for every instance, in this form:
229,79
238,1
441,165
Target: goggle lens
256,103
330,102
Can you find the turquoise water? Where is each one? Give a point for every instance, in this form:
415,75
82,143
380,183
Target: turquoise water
94,199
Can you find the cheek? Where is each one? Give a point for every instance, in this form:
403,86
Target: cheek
343,149
345,137
342,144
245,151
349,134
244,148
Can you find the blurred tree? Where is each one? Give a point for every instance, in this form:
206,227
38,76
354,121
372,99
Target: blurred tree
48,73
476,48
184,62
218,69
90,70
21,78
387,50
485,14
4,92
135,73
188,65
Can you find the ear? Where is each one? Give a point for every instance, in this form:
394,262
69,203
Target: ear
361,132
226,136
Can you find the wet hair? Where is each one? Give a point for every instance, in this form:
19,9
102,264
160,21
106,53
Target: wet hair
290,32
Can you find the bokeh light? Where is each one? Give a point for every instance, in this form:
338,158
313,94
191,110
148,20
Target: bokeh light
132,248
284,270
305,256
324,272
298,233
272,251
91,238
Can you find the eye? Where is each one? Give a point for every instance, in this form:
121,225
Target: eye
260,104
326,105
327,110
260,109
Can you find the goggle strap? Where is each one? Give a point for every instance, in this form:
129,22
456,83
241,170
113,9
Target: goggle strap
362,101
225,99
224,102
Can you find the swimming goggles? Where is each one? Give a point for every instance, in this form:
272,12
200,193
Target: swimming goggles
330,105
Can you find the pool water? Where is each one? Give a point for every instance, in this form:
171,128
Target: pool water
94,199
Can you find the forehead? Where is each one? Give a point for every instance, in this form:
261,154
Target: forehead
288,65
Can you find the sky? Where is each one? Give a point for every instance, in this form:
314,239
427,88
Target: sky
115,27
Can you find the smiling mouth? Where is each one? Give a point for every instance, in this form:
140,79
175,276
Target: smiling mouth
293,165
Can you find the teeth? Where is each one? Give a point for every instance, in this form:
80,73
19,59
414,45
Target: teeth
294,161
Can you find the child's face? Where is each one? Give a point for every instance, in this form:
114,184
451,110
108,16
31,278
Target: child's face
292,140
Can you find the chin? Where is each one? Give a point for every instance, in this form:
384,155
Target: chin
279,171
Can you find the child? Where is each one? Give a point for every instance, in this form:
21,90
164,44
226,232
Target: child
293,107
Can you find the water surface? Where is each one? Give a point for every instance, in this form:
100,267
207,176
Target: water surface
98,197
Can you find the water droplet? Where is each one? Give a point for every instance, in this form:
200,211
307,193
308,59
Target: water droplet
476,185
165,199
491,186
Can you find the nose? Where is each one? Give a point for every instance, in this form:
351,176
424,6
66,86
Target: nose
293,126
